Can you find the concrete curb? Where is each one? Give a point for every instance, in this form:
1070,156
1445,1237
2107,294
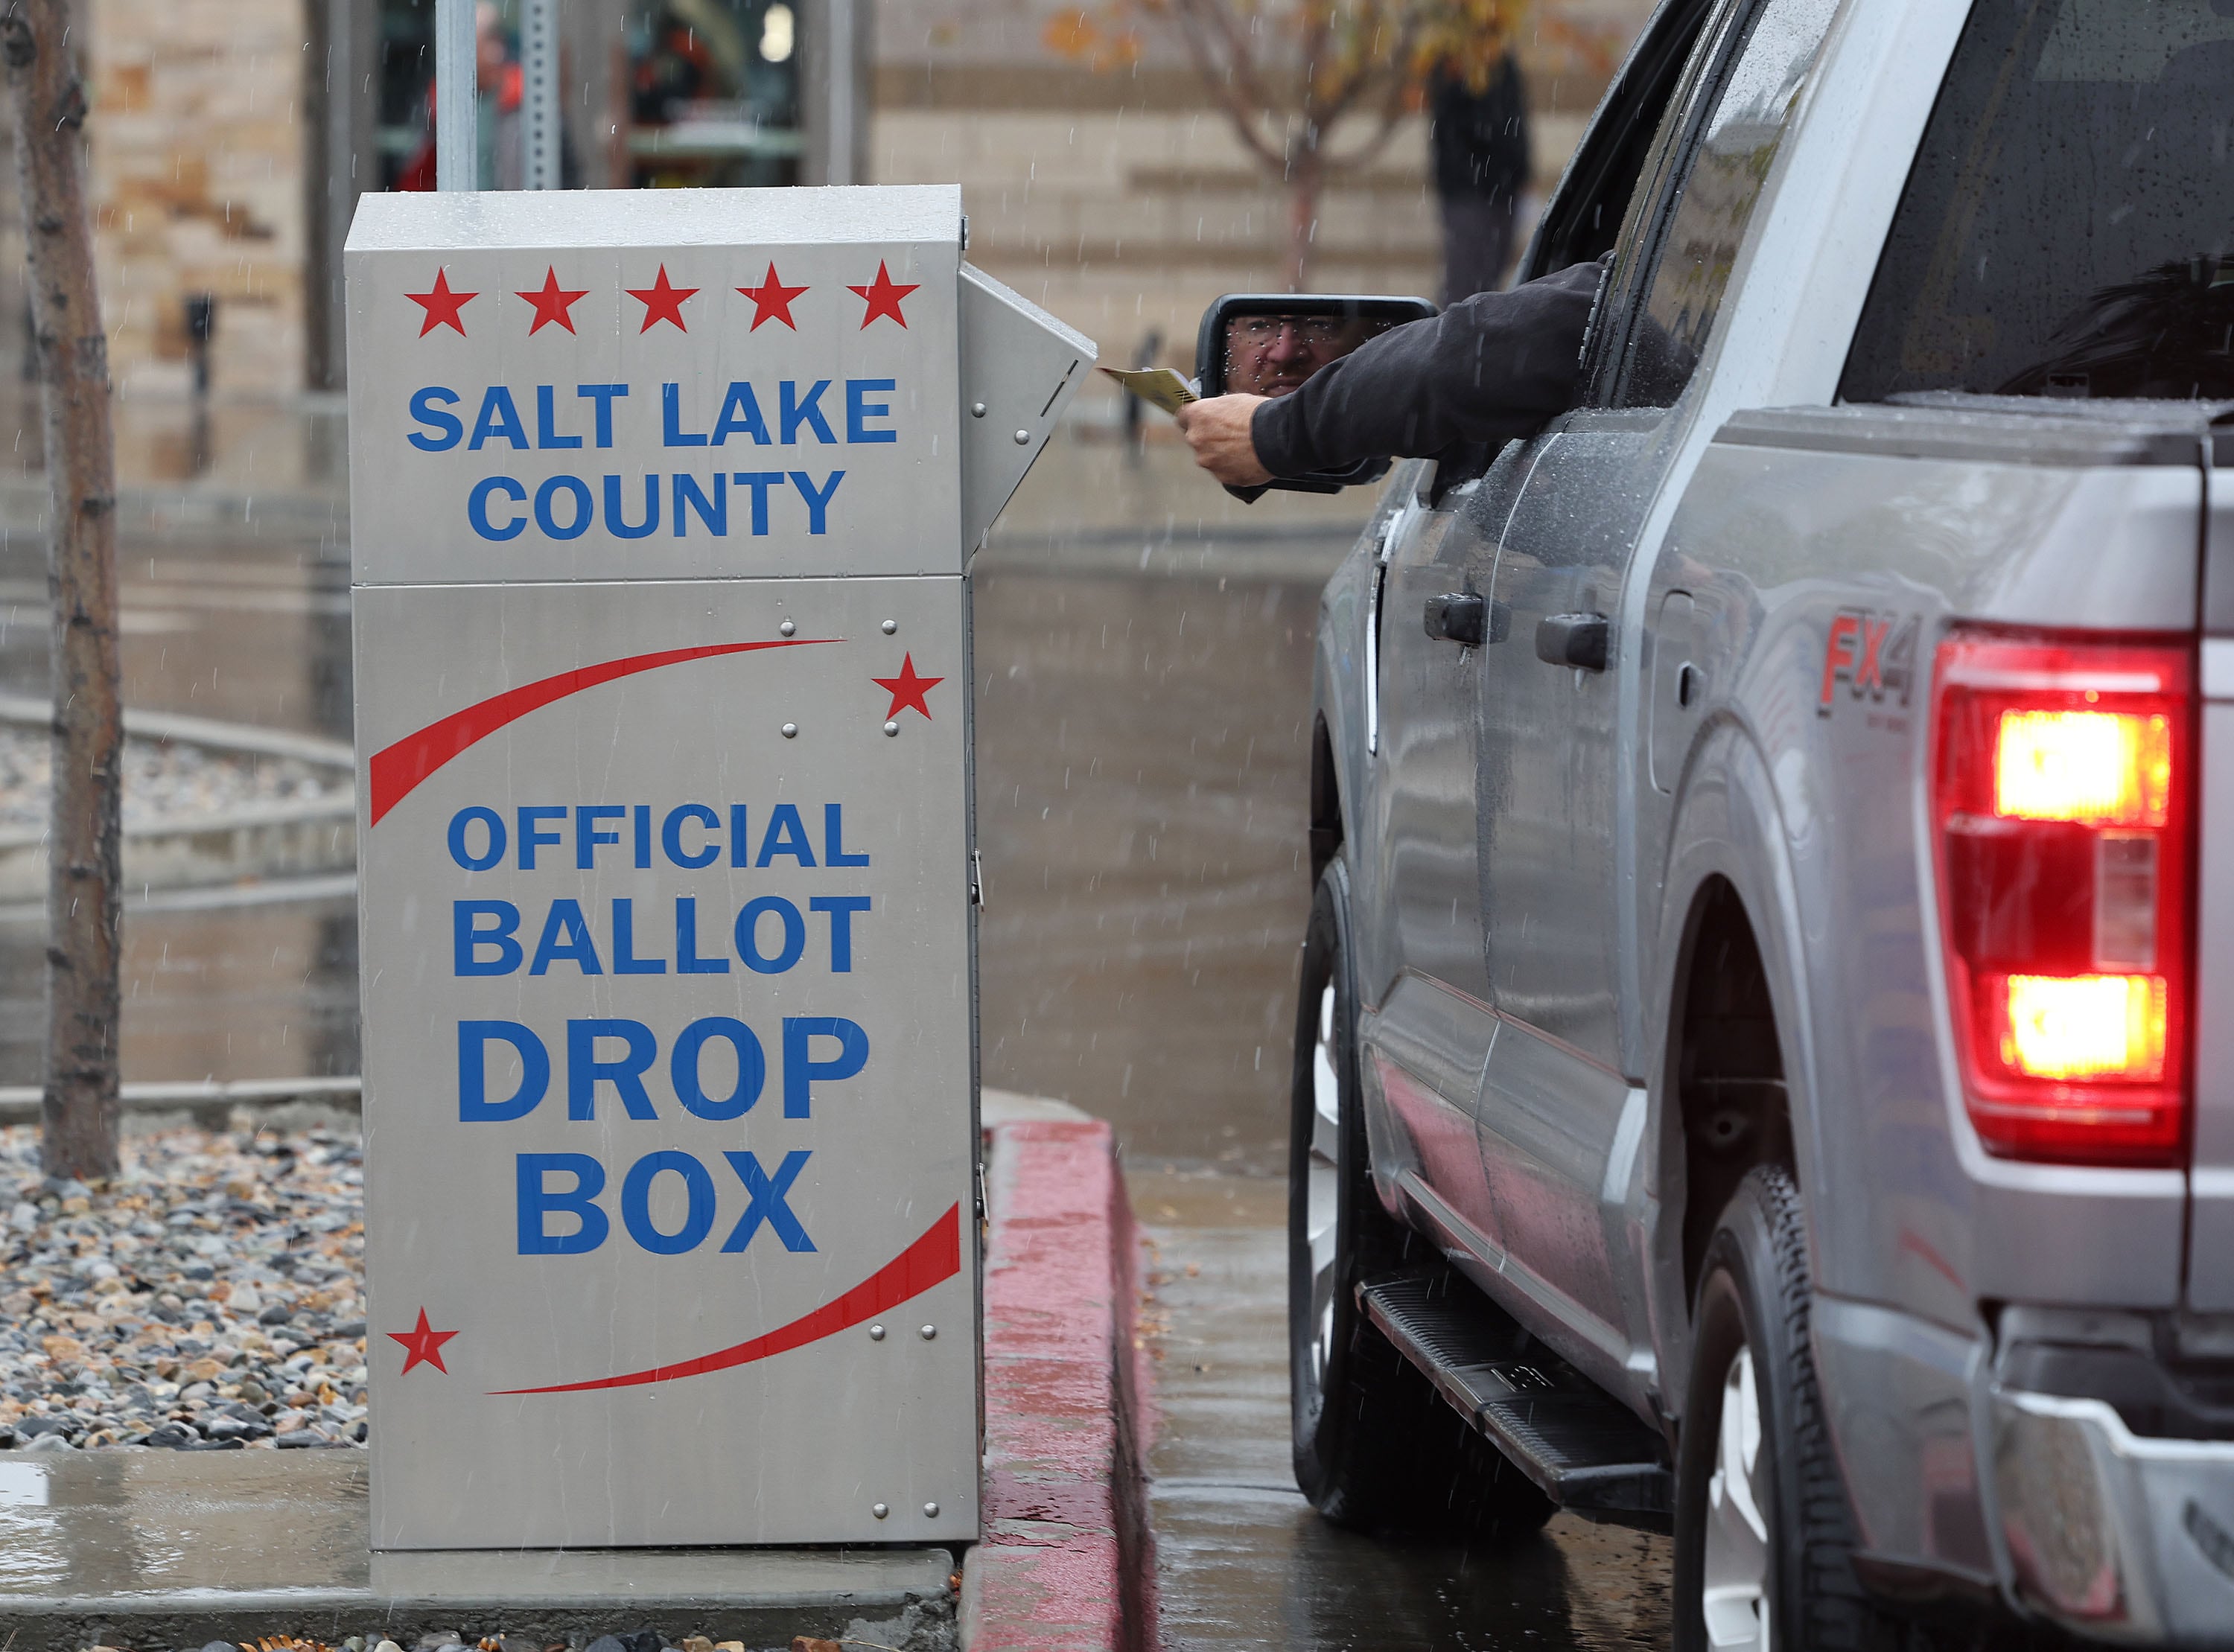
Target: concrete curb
1066,1561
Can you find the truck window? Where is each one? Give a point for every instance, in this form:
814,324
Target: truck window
1714,203
2067,229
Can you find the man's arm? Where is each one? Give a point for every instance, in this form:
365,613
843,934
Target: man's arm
1491,367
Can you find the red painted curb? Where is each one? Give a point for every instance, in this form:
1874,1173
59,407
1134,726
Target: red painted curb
1065,1563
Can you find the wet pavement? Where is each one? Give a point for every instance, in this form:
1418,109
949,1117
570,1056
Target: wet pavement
1243,1561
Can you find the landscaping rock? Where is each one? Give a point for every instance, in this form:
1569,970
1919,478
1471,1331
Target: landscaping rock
219,1275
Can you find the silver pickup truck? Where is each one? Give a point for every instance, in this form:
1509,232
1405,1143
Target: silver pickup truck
1766,1052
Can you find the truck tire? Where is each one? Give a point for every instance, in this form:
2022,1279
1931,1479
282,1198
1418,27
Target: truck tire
1764,1533
1375,1446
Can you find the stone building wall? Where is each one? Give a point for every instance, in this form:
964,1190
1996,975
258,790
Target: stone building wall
198,184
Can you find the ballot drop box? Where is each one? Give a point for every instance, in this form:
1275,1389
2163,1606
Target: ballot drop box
662,508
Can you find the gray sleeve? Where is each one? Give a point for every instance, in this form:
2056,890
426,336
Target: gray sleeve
1489,369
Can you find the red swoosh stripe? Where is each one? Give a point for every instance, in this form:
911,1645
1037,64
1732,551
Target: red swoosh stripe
932,1259
396,769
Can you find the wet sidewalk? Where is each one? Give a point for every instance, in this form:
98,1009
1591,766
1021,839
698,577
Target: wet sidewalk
1243,1561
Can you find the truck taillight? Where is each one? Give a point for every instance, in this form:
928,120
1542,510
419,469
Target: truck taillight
2060,784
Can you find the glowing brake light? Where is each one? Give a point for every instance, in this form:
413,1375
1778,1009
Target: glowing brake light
2104,767
2060,790
2084,1026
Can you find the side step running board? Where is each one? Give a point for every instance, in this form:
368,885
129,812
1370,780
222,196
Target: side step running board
1585,1450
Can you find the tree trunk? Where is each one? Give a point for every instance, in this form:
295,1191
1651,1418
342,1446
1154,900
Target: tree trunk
1306,180
83,840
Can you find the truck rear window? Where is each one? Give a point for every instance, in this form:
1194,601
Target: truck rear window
2067,228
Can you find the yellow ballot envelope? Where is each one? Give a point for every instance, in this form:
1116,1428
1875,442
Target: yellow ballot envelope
1157,386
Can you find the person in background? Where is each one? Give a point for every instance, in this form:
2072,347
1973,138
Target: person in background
1478,136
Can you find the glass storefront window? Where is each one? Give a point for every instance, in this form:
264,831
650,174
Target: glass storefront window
714,93
706,95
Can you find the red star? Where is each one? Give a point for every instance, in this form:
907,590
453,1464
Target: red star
907,689
883,296
442,306
551,303
662,301
772,300
422,1345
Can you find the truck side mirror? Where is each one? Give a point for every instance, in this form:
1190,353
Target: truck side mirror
1268,343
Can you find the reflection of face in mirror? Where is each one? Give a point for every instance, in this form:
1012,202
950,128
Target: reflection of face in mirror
1272,354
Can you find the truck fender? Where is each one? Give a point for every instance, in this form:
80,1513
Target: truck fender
1728,824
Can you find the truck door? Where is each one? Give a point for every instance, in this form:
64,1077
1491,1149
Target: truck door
1560,1119
1427,1042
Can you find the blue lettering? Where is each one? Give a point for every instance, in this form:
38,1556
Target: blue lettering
477,508
546,420
537,1202
766,1201
859,408
748,935
448,430
787,835
548,519
841,909
687,960
605,395
585,1071
499,417
473,1039
643,837
801,1071
833,838
670,419
617,524
586,835
759,481
714,512
670,835
740,845
625,959
635,1203
530,839
494,824
792,413
816,501
565,935
741,414
467,937
752,1068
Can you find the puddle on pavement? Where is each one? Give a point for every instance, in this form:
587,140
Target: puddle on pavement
132,1523
1242,1560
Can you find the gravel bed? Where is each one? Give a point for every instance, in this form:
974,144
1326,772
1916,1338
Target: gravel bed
210,1299
163,780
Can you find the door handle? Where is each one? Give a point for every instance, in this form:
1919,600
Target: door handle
1467,618
1578,640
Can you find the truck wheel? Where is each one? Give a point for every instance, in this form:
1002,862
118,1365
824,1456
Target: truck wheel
1375,1446
1764,1535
